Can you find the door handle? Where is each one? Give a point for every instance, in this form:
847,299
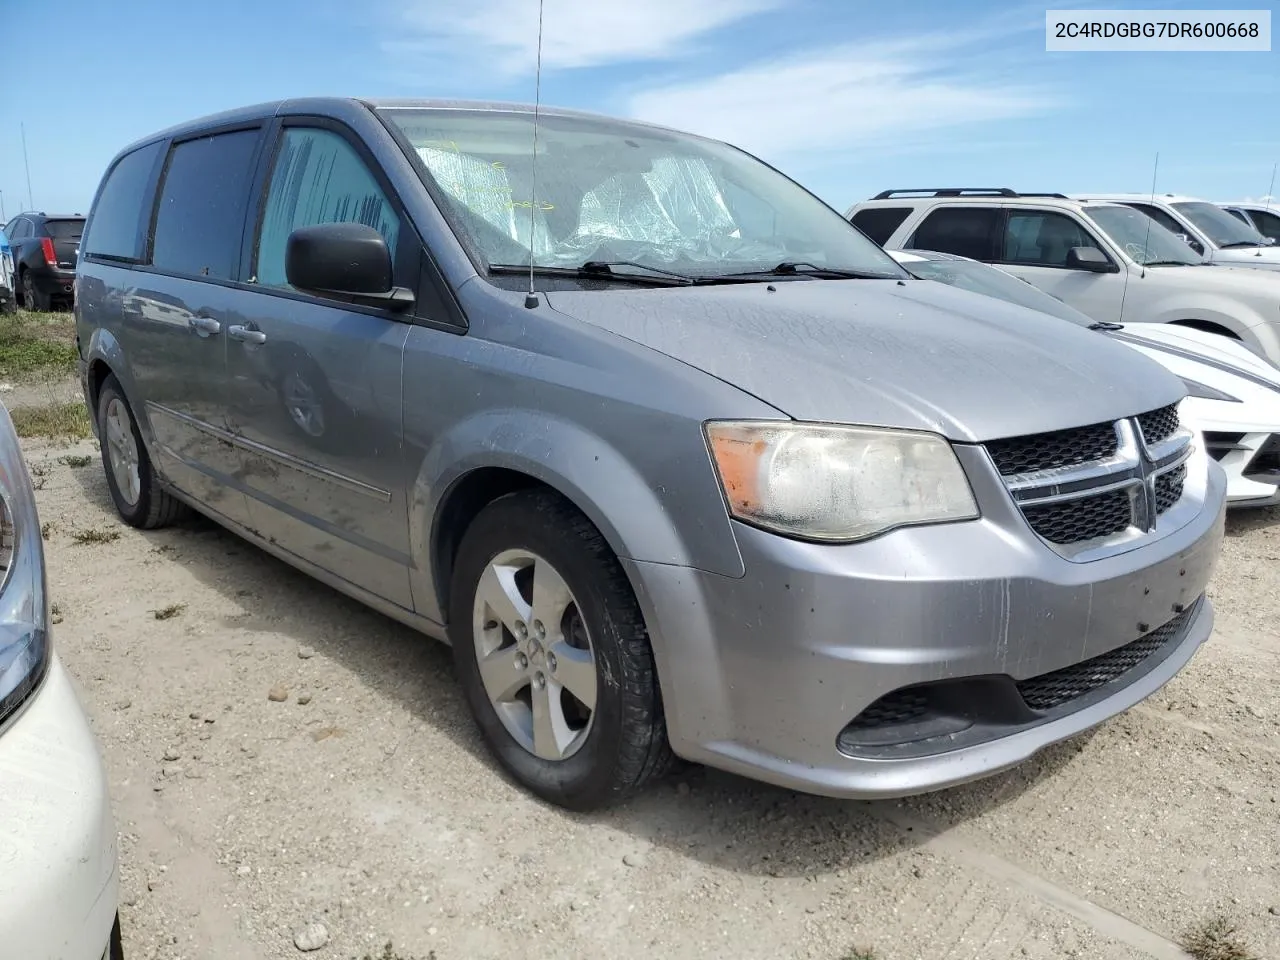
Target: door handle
204,326
245,335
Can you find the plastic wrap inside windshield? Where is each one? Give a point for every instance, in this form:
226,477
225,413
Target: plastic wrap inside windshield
485,190
674,211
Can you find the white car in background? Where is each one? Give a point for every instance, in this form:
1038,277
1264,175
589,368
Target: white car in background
1108,260
58,877
1206,228
1263,217
1233,397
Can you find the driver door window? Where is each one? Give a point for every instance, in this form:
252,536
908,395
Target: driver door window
1042,238
318,178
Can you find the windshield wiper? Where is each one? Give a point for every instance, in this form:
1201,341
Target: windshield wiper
800,268
1106,325
1168,263
1236,244
600,270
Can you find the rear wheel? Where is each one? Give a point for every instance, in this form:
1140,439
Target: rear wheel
553,654
131,479
35,300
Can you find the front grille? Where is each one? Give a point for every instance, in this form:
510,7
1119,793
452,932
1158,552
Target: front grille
1169,488
1159,424
1047,451
1075,521
1082,487
1051,690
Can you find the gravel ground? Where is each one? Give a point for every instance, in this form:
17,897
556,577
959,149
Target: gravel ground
361,799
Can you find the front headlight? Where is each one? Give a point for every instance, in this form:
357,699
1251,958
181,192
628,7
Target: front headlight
835,483
1205,392
24,614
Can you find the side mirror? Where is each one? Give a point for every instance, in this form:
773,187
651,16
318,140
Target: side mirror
1091,259
347,261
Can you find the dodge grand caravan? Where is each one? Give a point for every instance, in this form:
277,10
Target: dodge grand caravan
678,461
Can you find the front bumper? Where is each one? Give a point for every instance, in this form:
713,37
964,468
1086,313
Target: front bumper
761,674
58,878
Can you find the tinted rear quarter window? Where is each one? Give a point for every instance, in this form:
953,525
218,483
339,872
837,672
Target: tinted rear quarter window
203,194
123,209
965,231
878,223
64,229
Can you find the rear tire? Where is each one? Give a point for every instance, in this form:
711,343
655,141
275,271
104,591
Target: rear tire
36,301
131,478
613,747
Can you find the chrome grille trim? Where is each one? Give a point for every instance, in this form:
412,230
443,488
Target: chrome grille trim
1134,468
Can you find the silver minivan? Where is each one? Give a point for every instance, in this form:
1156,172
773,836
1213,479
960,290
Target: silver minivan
678,461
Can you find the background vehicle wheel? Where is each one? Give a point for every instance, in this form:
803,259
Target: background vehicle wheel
553,654
138,497
33,298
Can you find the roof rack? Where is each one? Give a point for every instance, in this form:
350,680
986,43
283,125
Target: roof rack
962,192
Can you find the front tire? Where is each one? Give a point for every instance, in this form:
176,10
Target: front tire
131,478
553,655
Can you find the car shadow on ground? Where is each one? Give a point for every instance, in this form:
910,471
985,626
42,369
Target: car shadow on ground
719,819
1243,521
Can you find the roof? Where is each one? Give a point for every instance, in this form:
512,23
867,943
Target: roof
1138,197
1252,204
1036,200
338,106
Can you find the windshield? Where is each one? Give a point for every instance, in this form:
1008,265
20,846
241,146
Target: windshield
608,190
1219,226
992,282
64,229
1143,240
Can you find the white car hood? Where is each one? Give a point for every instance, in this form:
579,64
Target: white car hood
1218,362
1266,258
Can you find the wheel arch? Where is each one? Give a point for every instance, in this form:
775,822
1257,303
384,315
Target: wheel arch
501,452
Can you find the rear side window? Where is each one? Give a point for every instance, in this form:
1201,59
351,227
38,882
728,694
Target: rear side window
123,209
203,195
318,178
965,231
64,229
1238,214
878,223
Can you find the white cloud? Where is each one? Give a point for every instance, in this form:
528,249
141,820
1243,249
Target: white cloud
843,97
502,34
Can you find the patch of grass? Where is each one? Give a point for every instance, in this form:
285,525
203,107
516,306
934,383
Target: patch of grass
69,420
46,529
37,344
169,612
96,535
77,460
55,612
1215,939
859,953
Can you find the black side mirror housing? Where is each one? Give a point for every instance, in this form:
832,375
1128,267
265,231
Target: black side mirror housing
346,261
1091,259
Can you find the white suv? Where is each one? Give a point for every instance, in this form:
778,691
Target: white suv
1206,227
1106,259
1263,217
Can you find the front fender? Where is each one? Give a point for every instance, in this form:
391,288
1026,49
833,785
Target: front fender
635,518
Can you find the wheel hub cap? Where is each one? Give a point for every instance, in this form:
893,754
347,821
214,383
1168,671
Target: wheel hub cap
535,656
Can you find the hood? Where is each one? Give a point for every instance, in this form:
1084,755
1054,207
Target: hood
1232,279
1183,349
912,354
1266,258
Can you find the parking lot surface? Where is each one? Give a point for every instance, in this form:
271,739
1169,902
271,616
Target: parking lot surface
281,757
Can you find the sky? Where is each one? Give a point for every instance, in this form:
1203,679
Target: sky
849,97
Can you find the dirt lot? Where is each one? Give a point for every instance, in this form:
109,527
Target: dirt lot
364,800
